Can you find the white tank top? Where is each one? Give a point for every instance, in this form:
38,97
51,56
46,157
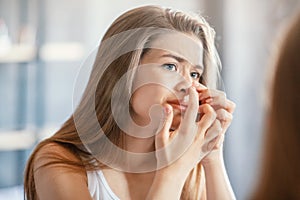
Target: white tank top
98,186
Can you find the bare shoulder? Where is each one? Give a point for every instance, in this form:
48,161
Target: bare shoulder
54,152
56,177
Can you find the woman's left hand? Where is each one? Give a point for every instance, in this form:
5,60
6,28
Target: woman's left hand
224,109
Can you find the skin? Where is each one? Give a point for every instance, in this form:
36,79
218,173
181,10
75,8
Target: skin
216,118
177,74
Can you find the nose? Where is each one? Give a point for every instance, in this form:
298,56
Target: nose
183,85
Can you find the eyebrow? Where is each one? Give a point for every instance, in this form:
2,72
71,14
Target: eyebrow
180,59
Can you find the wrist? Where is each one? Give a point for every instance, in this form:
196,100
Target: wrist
173,172
166,180
212,162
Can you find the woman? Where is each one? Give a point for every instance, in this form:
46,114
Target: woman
280,176
150,124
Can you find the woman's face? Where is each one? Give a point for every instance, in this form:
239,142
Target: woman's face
166,71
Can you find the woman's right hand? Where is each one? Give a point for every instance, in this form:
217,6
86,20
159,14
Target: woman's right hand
179,151
182,149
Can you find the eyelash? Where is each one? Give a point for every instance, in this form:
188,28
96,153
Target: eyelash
168,64
198,75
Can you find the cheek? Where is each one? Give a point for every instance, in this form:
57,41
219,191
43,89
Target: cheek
153,75
145,97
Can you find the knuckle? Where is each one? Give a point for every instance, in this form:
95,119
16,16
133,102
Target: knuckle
223,94
221,113
229,117
224,115
218,125
213,114
208,108
232,105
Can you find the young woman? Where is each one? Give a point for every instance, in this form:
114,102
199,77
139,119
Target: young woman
151,122
280,175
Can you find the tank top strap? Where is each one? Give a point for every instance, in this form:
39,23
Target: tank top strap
98,186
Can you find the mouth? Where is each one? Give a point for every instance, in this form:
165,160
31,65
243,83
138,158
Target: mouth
178,104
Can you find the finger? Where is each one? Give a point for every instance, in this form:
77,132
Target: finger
219,102
216,143
225,118
211,137
219,142
214,131
217,99
199,87
192,109
223,115
231,106
210,93
162,137
208,116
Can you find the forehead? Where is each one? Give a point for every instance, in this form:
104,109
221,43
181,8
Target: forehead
183,45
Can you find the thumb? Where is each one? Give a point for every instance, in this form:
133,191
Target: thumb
162,137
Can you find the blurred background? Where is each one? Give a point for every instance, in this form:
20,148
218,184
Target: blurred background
44,42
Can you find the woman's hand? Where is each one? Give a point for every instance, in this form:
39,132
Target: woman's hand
186,146
224,109
179,151
194,141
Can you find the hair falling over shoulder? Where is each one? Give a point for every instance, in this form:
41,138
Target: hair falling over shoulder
98,93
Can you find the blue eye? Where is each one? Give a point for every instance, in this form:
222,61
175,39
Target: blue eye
195,75
170,67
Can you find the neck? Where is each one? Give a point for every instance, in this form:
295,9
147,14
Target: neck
139,145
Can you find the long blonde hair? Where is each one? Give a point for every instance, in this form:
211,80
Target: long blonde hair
99,92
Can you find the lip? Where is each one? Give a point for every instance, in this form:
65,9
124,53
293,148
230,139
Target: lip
178,104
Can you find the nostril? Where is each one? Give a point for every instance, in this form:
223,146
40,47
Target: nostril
183,90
